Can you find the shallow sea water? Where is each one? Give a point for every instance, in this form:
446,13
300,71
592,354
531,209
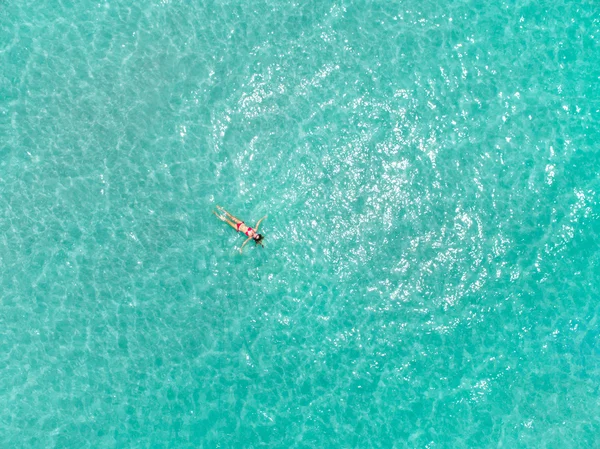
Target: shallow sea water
430,270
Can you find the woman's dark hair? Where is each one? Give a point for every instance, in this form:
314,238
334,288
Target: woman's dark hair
258,239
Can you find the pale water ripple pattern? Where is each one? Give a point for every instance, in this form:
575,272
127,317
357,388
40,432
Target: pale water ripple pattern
430,272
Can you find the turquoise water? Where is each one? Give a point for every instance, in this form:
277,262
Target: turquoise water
430,270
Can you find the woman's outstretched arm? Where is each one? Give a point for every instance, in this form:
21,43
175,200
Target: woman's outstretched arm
244,244
256,227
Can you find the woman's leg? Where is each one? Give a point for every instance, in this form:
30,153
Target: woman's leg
237,220
226,220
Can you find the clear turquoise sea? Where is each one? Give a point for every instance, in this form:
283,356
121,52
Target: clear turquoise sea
430,276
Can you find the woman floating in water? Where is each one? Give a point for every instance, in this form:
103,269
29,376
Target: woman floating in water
240,226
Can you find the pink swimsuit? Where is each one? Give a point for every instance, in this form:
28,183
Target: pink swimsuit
247,230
